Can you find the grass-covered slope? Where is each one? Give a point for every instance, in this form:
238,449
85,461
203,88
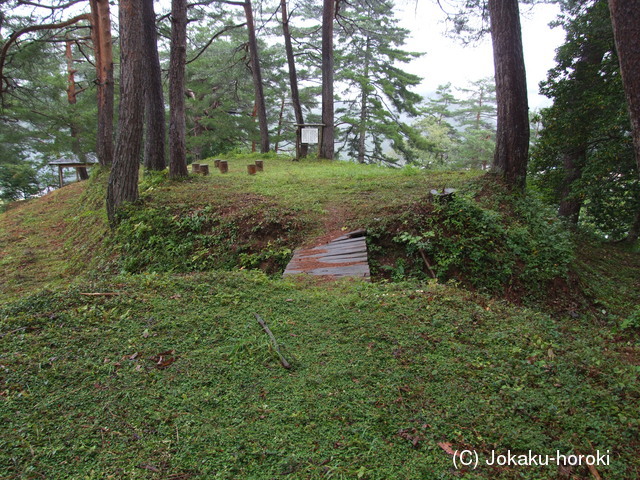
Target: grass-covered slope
143,359
172,377
51,240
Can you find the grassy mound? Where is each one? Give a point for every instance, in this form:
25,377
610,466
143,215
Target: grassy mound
484,236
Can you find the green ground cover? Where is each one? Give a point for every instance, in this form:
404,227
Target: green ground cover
171,377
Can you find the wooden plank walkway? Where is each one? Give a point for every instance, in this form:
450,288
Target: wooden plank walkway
345,256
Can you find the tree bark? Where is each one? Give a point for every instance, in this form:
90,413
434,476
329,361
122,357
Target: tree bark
257,78
512,136
625,18
101,34
570,205
574,158
364,100
178,58
328,131
302,149
280,120
154,146
74,128
123,179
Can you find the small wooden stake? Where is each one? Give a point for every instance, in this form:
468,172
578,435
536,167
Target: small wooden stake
223,166
260,165
251,169
195,168
204,169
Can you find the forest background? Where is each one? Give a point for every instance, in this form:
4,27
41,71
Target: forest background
49,96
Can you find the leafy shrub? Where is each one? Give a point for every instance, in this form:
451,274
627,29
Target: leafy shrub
492,242
632,322
170,239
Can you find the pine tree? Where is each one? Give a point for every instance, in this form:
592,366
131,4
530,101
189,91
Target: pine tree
583,159
177,122
378,90
476,118
123,178
436,127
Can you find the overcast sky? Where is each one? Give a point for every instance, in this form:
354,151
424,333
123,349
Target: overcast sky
446,60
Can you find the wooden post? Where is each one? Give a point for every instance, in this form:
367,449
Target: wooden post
204,169
195,168
60,176
298,143
224,166
260,165
320,140
251,169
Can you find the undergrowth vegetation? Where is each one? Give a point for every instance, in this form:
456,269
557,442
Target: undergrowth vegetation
483,236
165,239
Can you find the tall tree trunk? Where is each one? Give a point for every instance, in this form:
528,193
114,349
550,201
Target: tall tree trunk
574,158
154,154
280,120
570,205
328,131
123,179
254,114
74,128
103,48
257,78
302,149
634,230
625,17
364,100
512,136
178,58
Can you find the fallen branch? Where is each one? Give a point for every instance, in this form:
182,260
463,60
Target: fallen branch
100,294
594,471
426,261
13,331
263,324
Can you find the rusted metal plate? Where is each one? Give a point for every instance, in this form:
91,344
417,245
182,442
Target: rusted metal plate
345,256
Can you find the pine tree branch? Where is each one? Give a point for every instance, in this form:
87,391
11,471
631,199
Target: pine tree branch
217,34
50,7
229,2
32,28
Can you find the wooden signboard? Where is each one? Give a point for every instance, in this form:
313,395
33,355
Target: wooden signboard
310,135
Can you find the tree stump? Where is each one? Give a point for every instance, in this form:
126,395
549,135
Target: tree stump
223,165
251,169
443,196
195,168
204,169
259,165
